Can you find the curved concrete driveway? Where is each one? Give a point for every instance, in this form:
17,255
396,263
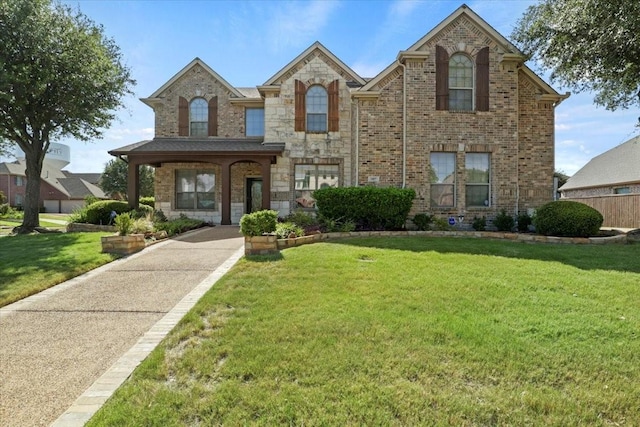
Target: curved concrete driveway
69,347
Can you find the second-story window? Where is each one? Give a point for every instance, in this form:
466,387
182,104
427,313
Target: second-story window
198,117
317,106
254,122
460,83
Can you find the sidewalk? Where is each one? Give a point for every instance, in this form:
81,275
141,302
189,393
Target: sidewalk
69,347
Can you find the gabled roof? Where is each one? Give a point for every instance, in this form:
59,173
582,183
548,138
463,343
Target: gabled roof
78,188
620,165
319,47
195,145
197,61
510,49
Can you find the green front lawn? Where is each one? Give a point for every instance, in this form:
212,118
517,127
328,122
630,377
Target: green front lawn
34,262
403,331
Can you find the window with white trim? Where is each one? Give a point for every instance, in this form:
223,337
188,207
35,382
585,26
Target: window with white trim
478,179
195,189
442,175
254,121
460,83
317,104
198,117
309,178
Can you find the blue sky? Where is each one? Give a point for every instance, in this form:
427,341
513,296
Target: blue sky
248,42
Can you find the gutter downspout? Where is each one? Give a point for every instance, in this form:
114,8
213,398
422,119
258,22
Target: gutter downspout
404,124
357,141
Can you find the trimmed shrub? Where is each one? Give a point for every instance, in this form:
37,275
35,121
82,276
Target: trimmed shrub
567,219
441,224
149,201
422,221
370,208
180,225
143,211
258,223
91,199
100,212
524,221
504,222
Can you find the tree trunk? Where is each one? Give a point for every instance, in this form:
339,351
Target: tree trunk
34,157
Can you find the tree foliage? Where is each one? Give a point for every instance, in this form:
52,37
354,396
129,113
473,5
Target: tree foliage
114,179
59,76
588,45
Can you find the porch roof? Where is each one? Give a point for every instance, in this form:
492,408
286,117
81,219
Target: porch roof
202,146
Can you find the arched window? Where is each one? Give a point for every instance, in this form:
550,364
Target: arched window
317,106
460,83
198,117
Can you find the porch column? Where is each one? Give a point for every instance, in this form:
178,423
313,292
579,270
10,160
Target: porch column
266,183
226,193
133,184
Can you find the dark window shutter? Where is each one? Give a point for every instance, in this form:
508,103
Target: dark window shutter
442,78
300,98
183,117
334,106
213,117
482,80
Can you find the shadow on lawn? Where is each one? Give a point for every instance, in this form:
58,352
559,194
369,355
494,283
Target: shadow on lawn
23,254
624,258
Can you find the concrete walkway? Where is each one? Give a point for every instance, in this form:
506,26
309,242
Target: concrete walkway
65,350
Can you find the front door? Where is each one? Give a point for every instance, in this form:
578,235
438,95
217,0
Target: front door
254,195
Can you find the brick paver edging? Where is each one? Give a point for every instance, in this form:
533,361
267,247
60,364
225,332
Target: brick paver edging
518,237
97,394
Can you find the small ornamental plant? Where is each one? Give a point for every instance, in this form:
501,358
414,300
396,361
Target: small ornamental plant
123,223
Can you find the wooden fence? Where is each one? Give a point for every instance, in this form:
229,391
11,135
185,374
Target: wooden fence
618,210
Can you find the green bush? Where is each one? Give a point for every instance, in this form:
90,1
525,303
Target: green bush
123,223
100,212
370,208
568,219
3,198
504,222
287,229
143,211
79,215
91,199
258,223
302,219
422,221
177,226
524,221
149,201
479,224
159,216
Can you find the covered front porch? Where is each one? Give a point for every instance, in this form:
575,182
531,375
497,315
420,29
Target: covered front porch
230,168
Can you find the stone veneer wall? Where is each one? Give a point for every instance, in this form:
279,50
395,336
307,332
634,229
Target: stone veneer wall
302,147
165,190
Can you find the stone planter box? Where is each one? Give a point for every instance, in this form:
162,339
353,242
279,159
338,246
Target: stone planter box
260,245
123,244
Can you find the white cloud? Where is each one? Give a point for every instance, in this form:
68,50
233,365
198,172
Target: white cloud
562,126
296,23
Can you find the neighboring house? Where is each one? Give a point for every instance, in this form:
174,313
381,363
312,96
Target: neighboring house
610,183
616,171
457,116
60,191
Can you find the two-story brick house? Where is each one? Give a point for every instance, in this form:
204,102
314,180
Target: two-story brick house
457,116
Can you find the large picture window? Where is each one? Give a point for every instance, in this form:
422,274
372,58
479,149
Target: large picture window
309,178
254,121
198,117
317,107
195,189
442,175
478,179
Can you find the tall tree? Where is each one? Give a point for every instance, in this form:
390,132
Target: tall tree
114,179
59,76
588,45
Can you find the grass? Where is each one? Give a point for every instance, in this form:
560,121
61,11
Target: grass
403,331
34,262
